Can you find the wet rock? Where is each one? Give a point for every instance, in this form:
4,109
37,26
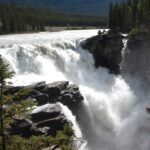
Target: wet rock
41,98
37,117
39,86
44,122
136,58
106,49
62,91
21,127
148,109
49,120
71,96
54,89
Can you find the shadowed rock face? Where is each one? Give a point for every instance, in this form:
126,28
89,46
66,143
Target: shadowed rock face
48,120
137,57
106,49
45,122
148,109
62,91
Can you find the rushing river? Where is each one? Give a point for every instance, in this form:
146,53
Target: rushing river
113,115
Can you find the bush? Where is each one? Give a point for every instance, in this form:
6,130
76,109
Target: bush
63,138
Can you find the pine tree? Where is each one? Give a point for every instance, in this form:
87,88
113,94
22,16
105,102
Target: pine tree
9,109
110,22
4,74
130,14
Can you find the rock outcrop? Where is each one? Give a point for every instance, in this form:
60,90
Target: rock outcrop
106,49
46,121
137,57
148,109
49,118
62,91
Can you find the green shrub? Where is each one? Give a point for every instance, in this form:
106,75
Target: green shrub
63,138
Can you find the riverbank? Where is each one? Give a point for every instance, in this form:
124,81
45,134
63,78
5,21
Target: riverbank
58,29
62,28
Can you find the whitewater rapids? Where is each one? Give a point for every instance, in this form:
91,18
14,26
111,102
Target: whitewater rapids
113,115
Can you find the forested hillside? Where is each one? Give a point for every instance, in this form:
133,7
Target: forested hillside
16,19
130,14
86,7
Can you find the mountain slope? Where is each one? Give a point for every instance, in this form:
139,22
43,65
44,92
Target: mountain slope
88,7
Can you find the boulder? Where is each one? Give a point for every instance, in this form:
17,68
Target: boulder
46,88
41,98
21,127
41,91
50,117
71,96
54,89
106,49
39,86
62,91
47,121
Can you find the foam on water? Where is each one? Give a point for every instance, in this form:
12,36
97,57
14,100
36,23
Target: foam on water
113,115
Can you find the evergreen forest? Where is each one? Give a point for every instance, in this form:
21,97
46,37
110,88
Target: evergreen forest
16,19
129,14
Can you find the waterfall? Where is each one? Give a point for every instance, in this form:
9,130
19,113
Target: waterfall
112,116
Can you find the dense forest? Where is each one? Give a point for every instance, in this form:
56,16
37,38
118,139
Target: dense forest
14,19
129,14
86,7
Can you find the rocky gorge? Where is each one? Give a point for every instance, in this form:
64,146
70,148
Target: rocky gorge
133,63
106,49
105,101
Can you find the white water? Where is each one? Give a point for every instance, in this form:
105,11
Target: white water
65,110
113,116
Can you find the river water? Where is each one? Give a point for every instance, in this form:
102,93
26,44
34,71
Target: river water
113,115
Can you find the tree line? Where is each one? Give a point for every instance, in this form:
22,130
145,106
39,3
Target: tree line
14,19
129,14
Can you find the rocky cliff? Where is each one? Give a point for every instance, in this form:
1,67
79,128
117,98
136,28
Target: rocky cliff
136,60
48,119
106,49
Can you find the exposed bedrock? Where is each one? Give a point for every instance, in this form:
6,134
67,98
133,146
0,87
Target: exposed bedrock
62,91
136,65
45,122
48,120
106,49
136,60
